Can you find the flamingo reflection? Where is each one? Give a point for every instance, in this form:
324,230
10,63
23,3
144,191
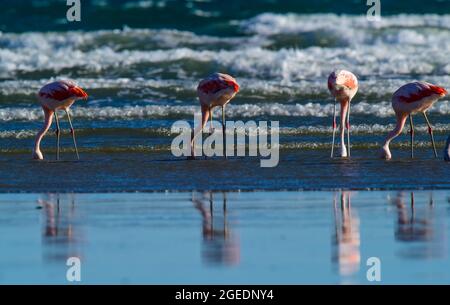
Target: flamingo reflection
346,238
220,245
60,237
416,225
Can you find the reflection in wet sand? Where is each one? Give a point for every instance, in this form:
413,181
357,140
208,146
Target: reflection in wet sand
346,239
416,225
220,245
61,238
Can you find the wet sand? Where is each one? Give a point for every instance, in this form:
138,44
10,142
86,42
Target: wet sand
146,172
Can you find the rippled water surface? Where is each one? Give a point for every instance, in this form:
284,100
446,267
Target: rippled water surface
141,73
259,237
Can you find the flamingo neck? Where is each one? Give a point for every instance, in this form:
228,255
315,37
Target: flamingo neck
48,117
401,119
343,124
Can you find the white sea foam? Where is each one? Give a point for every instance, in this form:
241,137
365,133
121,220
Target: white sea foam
397,46
270,23
284,66
361,129
382,110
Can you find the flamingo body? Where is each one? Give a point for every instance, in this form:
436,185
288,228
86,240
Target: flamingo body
415,97
216,90
52,97
343,85
60,94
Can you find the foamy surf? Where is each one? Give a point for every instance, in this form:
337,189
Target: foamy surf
317,110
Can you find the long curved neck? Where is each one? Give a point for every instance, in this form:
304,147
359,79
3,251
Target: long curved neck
198,130
48,116
401,120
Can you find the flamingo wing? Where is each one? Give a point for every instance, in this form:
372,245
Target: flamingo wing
416,91
62,90
218,82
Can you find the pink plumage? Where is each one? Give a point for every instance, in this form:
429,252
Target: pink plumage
62,90
58,95
343,85
415,97
218,82
417,91
216,90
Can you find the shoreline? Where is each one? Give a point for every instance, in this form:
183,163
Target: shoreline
297,171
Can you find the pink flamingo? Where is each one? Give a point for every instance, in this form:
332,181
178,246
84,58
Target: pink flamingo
408,100
216,90
55,96
343,85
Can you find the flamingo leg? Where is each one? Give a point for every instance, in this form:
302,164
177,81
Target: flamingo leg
348,128
430,131
58,133
72,131
334,129
412,135
223,132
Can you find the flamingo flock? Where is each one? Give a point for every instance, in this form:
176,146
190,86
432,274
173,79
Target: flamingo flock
219,89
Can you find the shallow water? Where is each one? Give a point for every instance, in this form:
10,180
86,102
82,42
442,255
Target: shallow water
140,62
257,237
298,169
141,73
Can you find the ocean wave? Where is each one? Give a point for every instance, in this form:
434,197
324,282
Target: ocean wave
396,46
270,23
284,66
360,129
381,110
14,91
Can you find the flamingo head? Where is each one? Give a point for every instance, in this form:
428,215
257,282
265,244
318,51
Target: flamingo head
37,155
385,153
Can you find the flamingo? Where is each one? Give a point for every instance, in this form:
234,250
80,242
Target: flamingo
216,90
53,97
407,100
343,85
